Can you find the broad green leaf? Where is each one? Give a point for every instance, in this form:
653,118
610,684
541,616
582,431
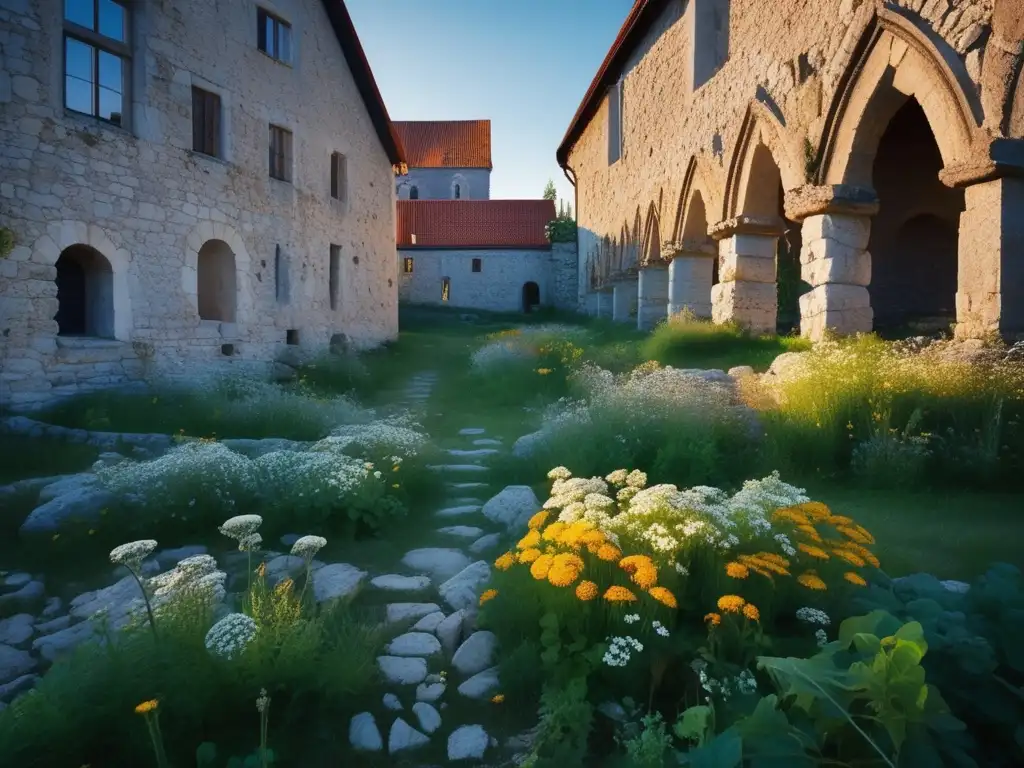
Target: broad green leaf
769,741
206,753
549,621
867,644
878,623
913,632
723,751
692,725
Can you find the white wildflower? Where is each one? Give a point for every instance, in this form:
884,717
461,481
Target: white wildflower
230,636
598,502
559,473
618,477
813,616
636,479
132,554
250,543
307,547
631,618
240,526
572,512
660,628
682,570
746,682
822,637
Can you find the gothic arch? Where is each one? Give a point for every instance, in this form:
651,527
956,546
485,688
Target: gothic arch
696,198
204,232
651,249
894,62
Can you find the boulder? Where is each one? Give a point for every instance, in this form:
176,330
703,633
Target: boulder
449,632
363,734
16,630
462,591
741,371
397,612
52,608
403,736
429,622
437,562
475,654
402,670
28,596
83,504
53,646
14,663
468,742
168,558
395,583
512,507
17,580
428,717
17,686
528,444
336,581
120,600
481,685
391,702
67,485
54,625
414,644
430,691
485,543
787,365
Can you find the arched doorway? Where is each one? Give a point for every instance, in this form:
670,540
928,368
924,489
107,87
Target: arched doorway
216,282
531,296
914,235
85,293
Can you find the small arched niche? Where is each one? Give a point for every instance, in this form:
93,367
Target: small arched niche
217,282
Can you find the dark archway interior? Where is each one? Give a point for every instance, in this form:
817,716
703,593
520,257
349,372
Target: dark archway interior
787,271
85,293
531,296
914,235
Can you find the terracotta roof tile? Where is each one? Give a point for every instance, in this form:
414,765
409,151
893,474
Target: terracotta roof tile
446,143
474,223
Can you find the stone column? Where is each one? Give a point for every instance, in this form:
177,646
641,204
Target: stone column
834,258
652,296
990,280
747,293
624,296
690,276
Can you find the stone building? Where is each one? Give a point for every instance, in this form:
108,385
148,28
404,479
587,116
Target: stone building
725,151
483,254
188,184
447,159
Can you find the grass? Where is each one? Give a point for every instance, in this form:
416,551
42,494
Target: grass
25,457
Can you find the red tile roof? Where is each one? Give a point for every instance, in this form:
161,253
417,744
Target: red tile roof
446,143
474,223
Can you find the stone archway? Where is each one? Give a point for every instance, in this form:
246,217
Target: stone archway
205,233
531,296
216,282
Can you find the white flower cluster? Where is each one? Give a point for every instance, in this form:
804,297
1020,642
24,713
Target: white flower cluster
290,478
523,345
240,526
620,650
660,628
822,637
631,618
251,398
195,576
230,636
813,616
397,435
133,553
306,547
745,684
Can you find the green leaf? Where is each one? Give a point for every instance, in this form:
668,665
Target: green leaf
878,623
206,753
723,751
549,621
868,644
769,741
693,724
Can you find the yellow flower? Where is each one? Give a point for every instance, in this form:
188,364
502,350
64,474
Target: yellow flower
543,371
529,555
857,533
395,485
751,612
851,557
573,535
488,594
498,698
540,567
663,596
619,595
811,580
641,569
840,520
817,552
858,549
394,468
609,552
730,603
505,562
553,531
737,570
562,575
529,541
855,578
586,590
713,618
592,538
815,510
538,520
146,707
791,515
810,532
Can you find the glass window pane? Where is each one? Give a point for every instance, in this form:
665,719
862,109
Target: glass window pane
78,95
78,58
112,20
81,12
110,105
285,42
271,48
110,72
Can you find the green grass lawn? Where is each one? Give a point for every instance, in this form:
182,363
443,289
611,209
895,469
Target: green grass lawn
22,457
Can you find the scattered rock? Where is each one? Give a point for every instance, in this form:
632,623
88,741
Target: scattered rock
951,585
463,509
108,459
66,485
480,685
527,445
336,581
14,663
462,531
395,583
28,596
429,718
396,612
403,736
787,365
437,562
17,629
53,646
471,453
485,543
513,506
17,580
84,504
486,441
468,742
120,600
414,644
402,670
54,625
476,654
53,607
281,567
363,734
430,691
168,558
391,702
449,632
463,589
469,431
457,468
429,622
17,686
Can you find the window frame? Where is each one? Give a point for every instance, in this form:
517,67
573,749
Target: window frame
263,15
616,105
215,134
339,176
99,42
285,156
408,265
477,265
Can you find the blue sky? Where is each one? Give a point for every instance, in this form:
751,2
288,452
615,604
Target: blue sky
523,64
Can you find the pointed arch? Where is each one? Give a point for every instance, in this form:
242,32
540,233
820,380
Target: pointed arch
697,190
651,247
894,62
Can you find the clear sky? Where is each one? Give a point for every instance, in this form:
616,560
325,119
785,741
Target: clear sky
523,64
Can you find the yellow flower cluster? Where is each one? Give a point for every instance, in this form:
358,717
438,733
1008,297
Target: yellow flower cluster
642,571
489,594
146,707
733,604
851,549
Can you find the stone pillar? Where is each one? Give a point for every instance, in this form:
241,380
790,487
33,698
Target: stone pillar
990,274
652,296
747,293
604,303
624,296
834,259
690,276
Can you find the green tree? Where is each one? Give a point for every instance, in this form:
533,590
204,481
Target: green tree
550,193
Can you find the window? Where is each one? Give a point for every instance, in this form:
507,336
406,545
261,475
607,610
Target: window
282,285
338,175
457,192
280,153
334,275
407,265
274,36
615,123
476,265
709,39
446,288
96,58
414,193
205,122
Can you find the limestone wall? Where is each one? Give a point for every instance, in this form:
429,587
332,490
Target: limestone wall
148,203
437,183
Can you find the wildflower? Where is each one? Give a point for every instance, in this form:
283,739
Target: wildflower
857,533
813,616
682,570
146,707
250,543
529,555
395,485
641,569
394,468
559,473
730,603
660,628
855,578
240,526
609,552
714,619
505,562
538,520
791,515
529,541
619,650
736,570
132,554
821,637
851,557
543,371
618,477
751,612
816,552
306,547
811,580
636,479
540,567
553,531
498,698
618,594
488,594
663,596
586,591
815,510
230,635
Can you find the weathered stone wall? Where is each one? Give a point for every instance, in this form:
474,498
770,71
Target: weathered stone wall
148,203
497,287
564,281
437,183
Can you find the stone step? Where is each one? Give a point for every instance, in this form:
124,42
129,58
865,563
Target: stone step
465,509
464,486
462,531
469,431
475,453
461,501
486,441
395,583
457,468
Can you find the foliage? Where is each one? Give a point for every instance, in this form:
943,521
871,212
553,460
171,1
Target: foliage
7,242
562,229
38,456
550,193
332,373
526,362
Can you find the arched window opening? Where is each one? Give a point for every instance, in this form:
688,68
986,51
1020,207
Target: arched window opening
531,296
217,282
85,293
457,192
414,193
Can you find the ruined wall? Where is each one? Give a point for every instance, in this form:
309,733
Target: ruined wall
436,183
148,203
564,280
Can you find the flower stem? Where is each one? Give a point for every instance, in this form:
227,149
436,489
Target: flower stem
264,715
145,597
156,737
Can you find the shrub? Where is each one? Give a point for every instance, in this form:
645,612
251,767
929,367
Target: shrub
531,362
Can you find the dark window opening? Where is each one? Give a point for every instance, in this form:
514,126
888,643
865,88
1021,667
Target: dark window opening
531,296
206,122
85,293
291,337
457,192
274,36
338,176
280,153
414,193
334,275
477,264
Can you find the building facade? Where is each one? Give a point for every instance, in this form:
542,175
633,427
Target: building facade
188,185
857,164
447,159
